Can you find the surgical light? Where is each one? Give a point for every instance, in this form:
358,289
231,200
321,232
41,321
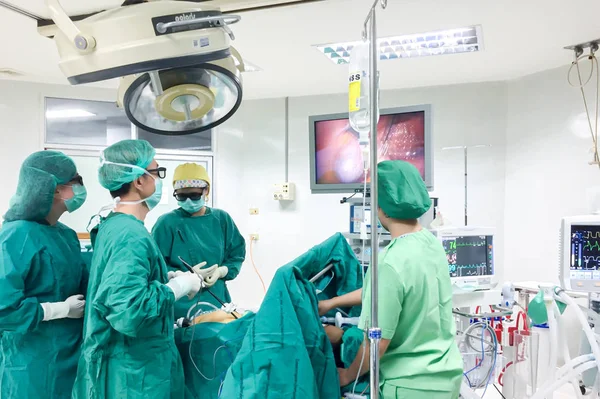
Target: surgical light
452,41
179,73
68,113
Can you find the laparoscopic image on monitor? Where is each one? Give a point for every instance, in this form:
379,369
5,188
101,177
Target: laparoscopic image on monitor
337,162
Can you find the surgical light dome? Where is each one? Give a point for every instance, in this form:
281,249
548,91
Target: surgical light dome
179,73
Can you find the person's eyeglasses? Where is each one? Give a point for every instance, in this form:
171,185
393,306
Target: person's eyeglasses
186,196
77,180
161,172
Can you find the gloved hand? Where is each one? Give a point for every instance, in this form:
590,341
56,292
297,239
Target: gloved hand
172,275
219,272
185,284
72,308
205,272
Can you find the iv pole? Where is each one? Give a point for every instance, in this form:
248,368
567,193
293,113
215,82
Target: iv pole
374,330
465,149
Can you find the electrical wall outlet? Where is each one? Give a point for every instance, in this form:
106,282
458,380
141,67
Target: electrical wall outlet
254,237
254,211
284,192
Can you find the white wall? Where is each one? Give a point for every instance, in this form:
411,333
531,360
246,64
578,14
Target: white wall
22,124
250,158
547,171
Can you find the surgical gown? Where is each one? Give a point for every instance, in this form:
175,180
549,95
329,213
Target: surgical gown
213,238
128,349
38,263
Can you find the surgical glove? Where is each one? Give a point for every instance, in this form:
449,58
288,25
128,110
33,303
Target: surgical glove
219,272
185,284
172,275
205,272
72,308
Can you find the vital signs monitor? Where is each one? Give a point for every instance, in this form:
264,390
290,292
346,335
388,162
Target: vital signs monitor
580,253
470,254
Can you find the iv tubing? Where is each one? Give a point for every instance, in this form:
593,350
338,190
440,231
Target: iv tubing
195,305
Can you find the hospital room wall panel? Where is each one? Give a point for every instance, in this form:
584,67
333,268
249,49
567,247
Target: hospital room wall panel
547,170
471,114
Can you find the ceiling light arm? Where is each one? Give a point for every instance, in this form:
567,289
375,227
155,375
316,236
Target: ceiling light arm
82,42
220,21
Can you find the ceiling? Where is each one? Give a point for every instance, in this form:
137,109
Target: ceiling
519,38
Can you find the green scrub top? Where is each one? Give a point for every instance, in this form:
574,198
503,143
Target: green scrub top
38,263
128,348
415,314
212,238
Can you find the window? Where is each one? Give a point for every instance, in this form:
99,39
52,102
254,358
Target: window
82,122
191,142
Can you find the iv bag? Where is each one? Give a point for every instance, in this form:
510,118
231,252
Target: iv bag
359,105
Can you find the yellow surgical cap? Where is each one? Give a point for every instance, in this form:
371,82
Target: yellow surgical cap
190,175
402,192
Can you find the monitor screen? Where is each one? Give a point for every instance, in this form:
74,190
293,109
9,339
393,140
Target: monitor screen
339,159
585,247
469,256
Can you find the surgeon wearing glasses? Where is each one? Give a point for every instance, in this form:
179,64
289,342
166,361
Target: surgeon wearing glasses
197,233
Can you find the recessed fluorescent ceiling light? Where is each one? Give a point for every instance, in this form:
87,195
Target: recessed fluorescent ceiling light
68,113
451,41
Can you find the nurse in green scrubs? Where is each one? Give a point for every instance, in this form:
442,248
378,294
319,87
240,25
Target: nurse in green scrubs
196,234
419,356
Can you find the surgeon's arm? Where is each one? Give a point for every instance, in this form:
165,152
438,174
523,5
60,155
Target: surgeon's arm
18,313
355,370
348,300
391,298
235,248
127,298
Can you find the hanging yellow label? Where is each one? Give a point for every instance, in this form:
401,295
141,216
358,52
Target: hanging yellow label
354,92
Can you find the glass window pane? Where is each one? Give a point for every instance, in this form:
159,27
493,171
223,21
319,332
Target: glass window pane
83,122
199,142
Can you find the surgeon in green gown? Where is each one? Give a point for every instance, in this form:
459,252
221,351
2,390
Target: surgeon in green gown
43,281
128,349
418,353
196,233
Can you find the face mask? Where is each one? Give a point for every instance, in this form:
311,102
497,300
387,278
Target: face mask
79,197
155,198
151,201
191,206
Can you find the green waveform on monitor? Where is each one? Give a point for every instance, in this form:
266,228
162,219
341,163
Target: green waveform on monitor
591,246
471,244
453,268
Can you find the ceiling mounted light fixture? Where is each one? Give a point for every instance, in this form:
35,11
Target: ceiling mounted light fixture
450,41
179,73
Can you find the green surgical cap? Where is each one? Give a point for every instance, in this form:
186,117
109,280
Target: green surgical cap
131,152
40,173
402,191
